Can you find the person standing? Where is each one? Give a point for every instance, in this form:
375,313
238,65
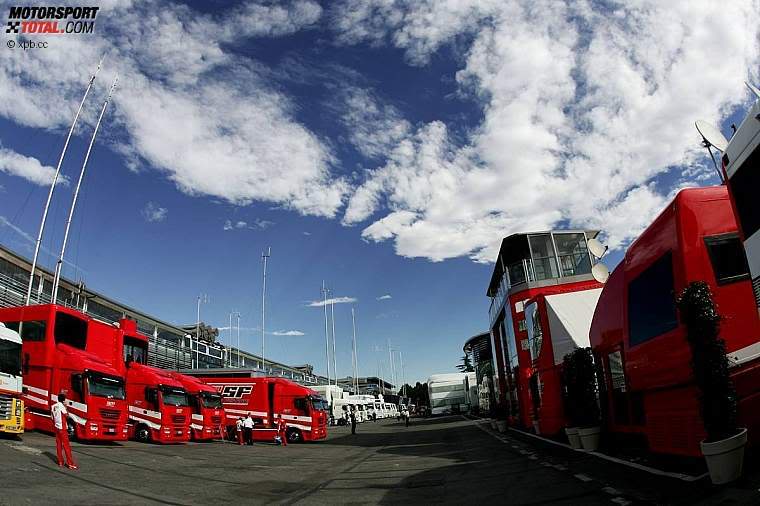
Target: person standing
239,430
353,422
248,428
60,414
406,417
282,431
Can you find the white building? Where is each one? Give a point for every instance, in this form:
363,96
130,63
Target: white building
448,393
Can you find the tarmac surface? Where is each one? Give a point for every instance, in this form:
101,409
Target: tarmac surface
451,460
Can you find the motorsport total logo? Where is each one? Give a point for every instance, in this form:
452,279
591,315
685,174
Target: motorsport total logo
51,20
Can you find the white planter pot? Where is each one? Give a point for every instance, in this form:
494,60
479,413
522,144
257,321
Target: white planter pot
501,425
589,437
493,424
536,427
725,458
573,438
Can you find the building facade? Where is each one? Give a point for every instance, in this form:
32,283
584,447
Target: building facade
479,348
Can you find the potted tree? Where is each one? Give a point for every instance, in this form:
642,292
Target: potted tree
724,446
586,399
569,380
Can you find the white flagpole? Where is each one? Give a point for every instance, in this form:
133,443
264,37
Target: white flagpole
52,187
59,264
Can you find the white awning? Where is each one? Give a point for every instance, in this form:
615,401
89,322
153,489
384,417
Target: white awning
570,316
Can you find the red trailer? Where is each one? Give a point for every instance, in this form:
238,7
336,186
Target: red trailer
268,400
54,340
639,344
159,407
208,418
530,270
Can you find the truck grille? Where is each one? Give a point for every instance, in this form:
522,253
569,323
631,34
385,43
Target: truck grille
6,405
178,419
109,414
216,420
756,288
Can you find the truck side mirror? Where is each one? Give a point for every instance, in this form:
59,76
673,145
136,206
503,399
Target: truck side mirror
25,366
151,395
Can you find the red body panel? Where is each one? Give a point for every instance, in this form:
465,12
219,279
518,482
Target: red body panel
166,423
49,368
207,422
268,400
657,396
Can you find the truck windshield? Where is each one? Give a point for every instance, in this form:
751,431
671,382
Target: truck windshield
105,386
211,400
319,403
10,358
175,396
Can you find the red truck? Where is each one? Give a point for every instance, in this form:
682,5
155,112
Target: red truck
159,407
208,418
54,360
268,399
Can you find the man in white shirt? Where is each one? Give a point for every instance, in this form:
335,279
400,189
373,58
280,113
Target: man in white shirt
239,430
248,427
60,414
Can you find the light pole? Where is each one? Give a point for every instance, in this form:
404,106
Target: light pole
335,363
237,314
264,257
327,332
229,354
392,364
201,298
355,354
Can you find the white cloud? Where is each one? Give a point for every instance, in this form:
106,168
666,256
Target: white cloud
288,333
27,167
256,224
584,106
385,297
154,213
335,300
374,128
205,117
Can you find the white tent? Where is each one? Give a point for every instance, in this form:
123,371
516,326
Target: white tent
570,316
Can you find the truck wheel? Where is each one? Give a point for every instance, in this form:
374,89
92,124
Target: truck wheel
71,429
294,435
142,434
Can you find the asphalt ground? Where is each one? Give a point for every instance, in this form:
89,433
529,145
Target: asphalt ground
450,460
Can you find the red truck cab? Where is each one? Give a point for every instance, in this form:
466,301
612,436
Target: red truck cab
208,417
54,360
647,388
268,400
159,407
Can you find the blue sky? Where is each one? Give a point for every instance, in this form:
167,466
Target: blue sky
385,147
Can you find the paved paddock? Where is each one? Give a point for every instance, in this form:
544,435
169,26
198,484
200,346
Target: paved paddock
444,460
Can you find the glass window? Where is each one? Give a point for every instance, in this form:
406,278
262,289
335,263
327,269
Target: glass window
544,261
744,184
175,396
617,375
727,256
70,330
105,386
535,333
573,254
10,357
516,273
651,302
31,330
135,349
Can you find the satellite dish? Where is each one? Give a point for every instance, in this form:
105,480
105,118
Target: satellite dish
753,89
711,135
600,272
596,248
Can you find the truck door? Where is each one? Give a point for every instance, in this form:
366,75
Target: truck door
272,407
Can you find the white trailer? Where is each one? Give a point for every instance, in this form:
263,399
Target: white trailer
448,393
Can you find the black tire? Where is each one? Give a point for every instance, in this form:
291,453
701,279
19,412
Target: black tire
142,434
294,435
71,430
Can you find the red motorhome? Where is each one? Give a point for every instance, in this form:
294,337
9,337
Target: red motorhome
268,399
647,387
159,407
54,340
548,272
208,418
